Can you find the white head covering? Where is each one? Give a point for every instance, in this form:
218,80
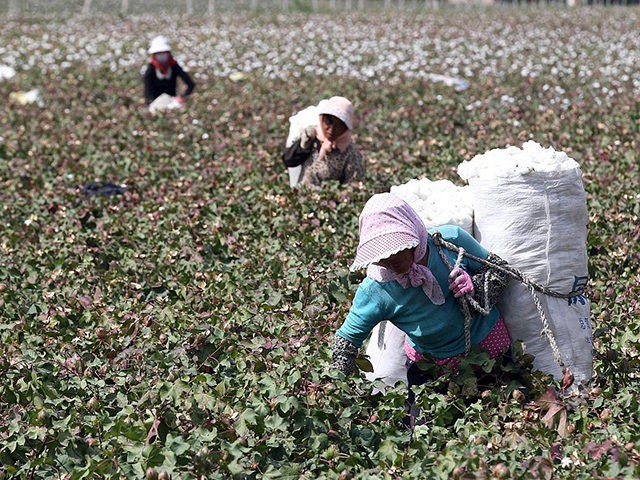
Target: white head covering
159,44
338,107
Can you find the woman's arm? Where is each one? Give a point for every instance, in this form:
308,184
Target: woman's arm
148,80
344,355
186,78
367,310
297,154
489,283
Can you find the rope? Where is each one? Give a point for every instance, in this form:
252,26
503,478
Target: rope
467,302
462,301
509,270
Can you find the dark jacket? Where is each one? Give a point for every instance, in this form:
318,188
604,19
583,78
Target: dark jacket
154,86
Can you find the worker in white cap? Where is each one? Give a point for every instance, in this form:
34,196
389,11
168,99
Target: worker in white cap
163,71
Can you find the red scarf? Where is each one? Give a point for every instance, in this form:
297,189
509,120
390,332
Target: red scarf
164,68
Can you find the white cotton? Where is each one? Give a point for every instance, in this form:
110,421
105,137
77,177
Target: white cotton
439,202
26,98
6,73
513,161
304,118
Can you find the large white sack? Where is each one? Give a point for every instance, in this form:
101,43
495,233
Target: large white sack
297,124
386,354
439,202
530,209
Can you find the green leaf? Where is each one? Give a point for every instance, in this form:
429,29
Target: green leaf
246,420
176,444
364,363
387,452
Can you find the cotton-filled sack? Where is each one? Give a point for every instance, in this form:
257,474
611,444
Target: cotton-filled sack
439,202
307,117
530,209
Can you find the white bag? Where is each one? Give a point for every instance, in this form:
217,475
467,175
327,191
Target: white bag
536,219
164,102
387,355
297,124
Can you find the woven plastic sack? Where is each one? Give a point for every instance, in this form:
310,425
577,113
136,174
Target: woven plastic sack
534,216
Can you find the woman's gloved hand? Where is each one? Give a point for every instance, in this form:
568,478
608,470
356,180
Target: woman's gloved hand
308,135
460,282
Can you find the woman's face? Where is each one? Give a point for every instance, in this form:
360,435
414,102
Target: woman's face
162,57
399,262
332,127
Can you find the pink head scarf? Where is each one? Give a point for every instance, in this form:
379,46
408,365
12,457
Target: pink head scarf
341,108
389,225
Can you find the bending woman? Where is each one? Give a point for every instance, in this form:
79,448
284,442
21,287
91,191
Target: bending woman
410,284
163,72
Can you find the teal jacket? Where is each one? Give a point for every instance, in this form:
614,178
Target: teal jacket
437,330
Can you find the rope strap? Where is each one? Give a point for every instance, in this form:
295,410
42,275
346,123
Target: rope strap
509,270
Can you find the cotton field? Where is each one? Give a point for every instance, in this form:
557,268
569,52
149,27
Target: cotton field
600,57
168,302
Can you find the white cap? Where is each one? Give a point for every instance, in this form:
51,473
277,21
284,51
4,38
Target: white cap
159,44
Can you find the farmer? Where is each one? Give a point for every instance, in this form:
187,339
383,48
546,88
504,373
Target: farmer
163,71
410,284
327,151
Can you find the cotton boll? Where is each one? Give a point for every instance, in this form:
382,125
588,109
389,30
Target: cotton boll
6,72
400,190
413,186
411,198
